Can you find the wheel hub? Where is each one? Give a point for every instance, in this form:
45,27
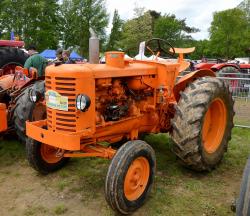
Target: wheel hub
136,178
50,154
214,125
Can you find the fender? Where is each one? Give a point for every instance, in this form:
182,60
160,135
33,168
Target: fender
183,81
244,66
204,66
217,67
6,81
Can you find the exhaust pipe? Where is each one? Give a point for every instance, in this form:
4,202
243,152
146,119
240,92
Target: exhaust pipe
93,47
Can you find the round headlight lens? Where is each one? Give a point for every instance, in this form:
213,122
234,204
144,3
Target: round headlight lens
82,102
33,96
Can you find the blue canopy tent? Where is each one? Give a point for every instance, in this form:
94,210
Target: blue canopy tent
75,56
48,54
51,54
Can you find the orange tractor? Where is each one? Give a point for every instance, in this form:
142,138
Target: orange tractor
121,100
15,104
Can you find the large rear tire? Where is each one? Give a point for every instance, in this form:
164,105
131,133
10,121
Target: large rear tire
202,123
130,176
44,158
11,57
27,110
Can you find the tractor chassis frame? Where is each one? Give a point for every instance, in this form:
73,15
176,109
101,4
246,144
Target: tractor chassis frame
89,147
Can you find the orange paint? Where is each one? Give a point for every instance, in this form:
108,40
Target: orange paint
143,92
136,178
214,125
50,154
3,117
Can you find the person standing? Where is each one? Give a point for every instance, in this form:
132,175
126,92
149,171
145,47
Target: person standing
66,57
36,61
59,53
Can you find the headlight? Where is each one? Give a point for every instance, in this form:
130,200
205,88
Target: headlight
82,102
33,96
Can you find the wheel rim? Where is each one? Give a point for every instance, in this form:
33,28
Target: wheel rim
136,178
39,112
214,125
50,154
9,68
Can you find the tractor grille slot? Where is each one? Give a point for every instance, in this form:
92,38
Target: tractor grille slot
63,129
58,119
66,120
65,84
65,115
65,89
65,78
67,125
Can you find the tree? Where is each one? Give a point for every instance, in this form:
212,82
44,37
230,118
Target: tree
173,30
230,33
33,21
136,30
116,32
202,49
79,16
9,14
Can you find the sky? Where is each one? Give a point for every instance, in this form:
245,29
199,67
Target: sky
197,13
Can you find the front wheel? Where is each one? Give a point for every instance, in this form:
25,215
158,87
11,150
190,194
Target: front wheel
27,110
203,123
243,203
130,176
44,158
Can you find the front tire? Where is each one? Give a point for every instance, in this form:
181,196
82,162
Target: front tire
243,203
202,123
130,176
44,158
27,110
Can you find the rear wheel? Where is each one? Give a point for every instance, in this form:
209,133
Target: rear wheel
44,158
11,57
202,123
130,176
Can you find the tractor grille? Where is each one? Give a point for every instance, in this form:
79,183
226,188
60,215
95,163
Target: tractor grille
57,119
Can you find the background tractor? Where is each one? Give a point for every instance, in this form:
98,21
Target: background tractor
15,105
122,100
225,67
236,73
11,55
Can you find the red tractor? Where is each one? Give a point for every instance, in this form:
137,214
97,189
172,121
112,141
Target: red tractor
224,67
231,71
11,55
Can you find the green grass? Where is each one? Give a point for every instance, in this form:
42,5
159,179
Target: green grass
11,152
60,209
176,191
33,210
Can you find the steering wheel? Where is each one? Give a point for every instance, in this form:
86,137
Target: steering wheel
160,47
